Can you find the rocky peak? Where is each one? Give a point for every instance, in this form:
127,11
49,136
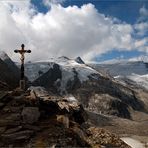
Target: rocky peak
64,58
6,59
8,76
3,56
79,60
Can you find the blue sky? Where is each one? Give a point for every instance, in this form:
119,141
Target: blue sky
125,10
114,54
93,29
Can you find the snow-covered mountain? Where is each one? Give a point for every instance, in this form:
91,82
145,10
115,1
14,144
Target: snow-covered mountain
56,83
67,71
96,91
132,72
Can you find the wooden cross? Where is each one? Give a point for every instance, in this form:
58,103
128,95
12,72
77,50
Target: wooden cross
22,52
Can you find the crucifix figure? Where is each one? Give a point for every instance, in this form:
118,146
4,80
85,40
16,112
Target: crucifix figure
22,52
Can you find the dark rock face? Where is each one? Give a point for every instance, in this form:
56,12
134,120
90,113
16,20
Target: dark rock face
146,65
8,76
79,60
48,79
11,65
108,97
73,84
10,73
3,86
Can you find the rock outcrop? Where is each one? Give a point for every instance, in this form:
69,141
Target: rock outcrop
8,76
31,121
11,65
79,60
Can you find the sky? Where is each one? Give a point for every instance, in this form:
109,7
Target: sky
96,30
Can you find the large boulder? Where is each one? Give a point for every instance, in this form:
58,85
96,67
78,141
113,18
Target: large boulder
30,114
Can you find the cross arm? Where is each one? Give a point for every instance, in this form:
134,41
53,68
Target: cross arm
28,51
16,51
22,51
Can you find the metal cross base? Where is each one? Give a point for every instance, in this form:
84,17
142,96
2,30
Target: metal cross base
22,84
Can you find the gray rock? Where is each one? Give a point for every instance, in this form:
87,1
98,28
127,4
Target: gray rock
3,94
30,114
16,109
2,129
22,135
12,130
31,127
2,105
4,122
13,117
79,60
33,95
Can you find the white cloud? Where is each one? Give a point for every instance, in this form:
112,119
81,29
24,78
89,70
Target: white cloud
143,14
142,23
50,2
142,44
70,31
141,28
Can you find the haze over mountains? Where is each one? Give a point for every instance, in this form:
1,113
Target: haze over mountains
131,72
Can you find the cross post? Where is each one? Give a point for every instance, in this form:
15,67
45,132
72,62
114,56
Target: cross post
22,52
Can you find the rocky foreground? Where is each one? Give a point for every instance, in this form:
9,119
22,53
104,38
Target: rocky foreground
32,120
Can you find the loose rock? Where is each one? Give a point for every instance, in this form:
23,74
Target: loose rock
30,114
22,135
12,130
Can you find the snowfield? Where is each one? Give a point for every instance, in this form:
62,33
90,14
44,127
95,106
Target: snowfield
35,70
133,143
70,69
141,80
126,71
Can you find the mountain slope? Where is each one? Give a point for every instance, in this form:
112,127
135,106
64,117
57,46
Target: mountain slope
7,75
96,92
131,72
11,65
63,73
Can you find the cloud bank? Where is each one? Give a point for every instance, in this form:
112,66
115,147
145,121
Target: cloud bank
70,31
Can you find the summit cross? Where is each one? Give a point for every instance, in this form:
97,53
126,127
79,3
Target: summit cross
22,52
